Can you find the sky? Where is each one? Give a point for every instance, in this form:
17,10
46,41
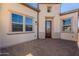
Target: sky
69,6
64,6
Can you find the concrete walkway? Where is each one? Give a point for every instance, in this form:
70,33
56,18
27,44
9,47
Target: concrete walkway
43,47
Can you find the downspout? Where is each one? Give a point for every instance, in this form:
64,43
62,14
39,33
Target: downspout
38,22
60,23
77,31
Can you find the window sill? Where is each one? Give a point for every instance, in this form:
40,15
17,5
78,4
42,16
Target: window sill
15,33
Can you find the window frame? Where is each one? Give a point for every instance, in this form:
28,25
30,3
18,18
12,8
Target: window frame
20,32
70,25
13,22
32,24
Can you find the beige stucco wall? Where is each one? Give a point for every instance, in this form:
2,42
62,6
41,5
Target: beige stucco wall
0,27
55,11
6,10
78,40
70,35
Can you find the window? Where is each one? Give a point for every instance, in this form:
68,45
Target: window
28,24
67,25
17,22
48,9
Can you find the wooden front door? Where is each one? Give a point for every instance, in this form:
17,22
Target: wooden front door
48,29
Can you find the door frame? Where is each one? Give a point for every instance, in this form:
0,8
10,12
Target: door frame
46,28
52,25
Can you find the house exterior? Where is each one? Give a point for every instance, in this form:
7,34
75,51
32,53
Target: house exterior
49,13
11,12
21,23
72,33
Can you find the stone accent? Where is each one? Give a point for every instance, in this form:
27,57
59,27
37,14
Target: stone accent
56,35
42,35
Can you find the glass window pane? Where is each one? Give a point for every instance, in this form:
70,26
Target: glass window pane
17,23
28,24
67,25
17,18
28,27
67,22
17,27
28,21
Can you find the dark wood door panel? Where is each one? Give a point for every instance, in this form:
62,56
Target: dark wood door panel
48,29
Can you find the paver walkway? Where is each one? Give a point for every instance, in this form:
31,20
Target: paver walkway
44,47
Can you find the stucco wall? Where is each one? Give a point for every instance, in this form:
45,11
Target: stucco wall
70,35
8,37
55,11
78,40
0,27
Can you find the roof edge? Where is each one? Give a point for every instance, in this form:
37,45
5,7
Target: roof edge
71,11
35,9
